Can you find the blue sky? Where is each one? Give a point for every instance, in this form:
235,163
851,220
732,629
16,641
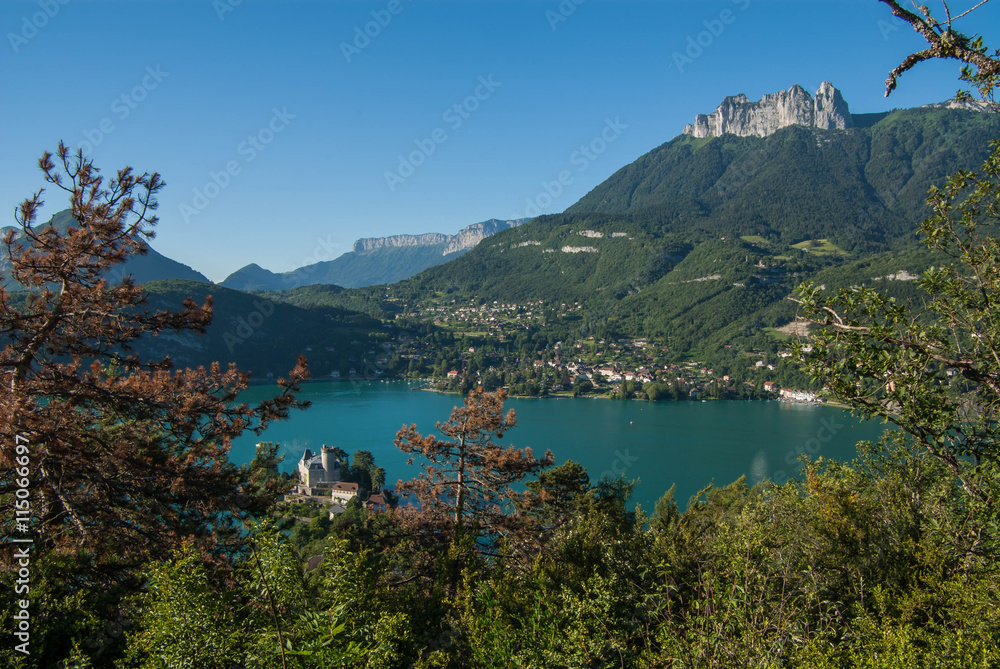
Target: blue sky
280,126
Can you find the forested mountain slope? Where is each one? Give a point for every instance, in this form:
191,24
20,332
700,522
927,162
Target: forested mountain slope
701,240
261,335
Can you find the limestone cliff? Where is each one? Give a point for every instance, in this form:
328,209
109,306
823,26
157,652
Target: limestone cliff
371,243
740,116
463,240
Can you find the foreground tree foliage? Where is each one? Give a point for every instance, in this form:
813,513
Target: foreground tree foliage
840,570
126,458
267,617
465,493
980,68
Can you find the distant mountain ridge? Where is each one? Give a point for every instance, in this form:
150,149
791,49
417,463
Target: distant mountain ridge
698,242
152,266
373,260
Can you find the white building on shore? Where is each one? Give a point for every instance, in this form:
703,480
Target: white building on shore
797,395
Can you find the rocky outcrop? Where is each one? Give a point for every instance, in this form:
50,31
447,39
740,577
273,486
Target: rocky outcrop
468,237
738,115
965,105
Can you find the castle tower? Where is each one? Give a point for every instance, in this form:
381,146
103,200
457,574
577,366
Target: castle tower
328,462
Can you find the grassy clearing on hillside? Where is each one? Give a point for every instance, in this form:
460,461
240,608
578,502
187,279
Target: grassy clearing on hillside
695,142
777,335
820,247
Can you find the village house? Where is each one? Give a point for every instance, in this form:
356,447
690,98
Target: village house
609,374
342,492
377,502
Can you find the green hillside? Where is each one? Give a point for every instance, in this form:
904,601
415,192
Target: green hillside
383,265
261,335
863,188
370,302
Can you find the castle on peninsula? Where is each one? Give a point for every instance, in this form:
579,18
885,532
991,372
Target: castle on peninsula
318,473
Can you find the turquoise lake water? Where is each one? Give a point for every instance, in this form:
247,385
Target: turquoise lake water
660,443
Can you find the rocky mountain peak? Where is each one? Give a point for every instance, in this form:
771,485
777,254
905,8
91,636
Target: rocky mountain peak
740,116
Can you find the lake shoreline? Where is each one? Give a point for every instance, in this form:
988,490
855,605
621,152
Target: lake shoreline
832,403
273,382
